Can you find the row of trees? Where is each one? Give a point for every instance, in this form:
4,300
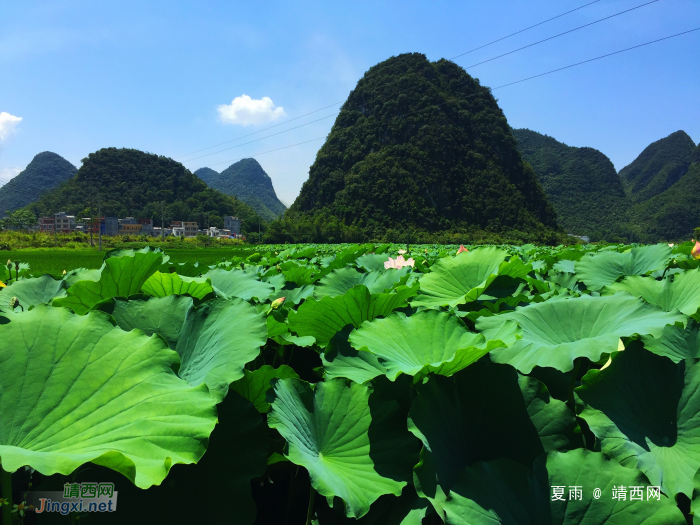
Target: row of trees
18,220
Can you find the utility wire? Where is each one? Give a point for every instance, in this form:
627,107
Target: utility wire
399,92
561,34
598,58
523,30
340,102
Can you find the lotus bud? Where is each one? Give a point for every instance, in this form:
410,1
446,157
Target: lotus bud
461,249
402,251
695,252
16,265
9,264
277,303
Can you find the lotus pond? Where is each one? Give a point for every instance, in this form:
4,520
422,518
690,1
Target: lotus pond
356,384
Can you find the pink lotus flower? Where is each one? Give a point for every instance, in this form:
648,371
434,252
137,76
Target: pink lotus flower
399,262
462,249
695,252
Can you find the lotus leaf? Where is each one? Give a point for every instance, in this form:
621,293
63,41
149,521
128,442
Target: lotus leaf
76,389
217,340
645,410
236,283
503,491
163,284
353,446
121,276
557,332
322,319
601,269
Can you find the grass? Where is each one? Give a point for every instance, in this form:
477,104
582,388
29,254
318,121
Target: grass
54,260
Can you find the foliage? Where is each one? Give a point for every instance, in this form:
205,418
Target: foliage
131,183
672,214
581,184
466,389
438,156
658,167
46,171
18,220
246,180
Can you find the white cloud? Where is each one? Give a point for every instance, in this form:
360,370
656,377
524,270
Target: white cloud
246,111
8,123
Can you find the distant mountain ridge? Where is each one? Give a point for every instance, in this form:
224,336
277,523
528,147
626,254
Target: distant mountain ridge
131,183
653,199
581,183
247,181
46,171
658,167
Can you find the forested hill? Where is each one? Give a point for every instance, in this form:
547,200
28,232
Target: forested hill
674,213
247,181
46,171
128,182
658,167
581,183
422,146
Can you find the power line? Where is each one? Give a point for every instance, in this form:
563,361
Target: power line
598,58
340,102
522,30
561,34
399,92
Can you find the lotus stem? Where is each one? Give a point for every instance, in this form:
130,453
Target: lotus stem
573,384
310,512
7,495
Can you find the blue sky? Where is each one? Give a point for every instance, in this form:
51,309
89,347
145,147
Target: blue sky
169,77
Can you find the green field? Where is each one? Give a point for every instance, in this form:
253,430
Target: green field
54,260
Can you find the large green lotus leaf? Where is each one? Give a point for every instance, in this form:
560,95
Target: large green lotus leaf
322,319
645,410
217,340
407,509
237,283
164,316
76,389
120,277
605,267
187,268
163,284
463,278
32,292
486,411
372,261
295,295
679,292
254,385
130,252
676,343
82,274
342,360
339,282
425,340
557,332
503,491
236,453
354,445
